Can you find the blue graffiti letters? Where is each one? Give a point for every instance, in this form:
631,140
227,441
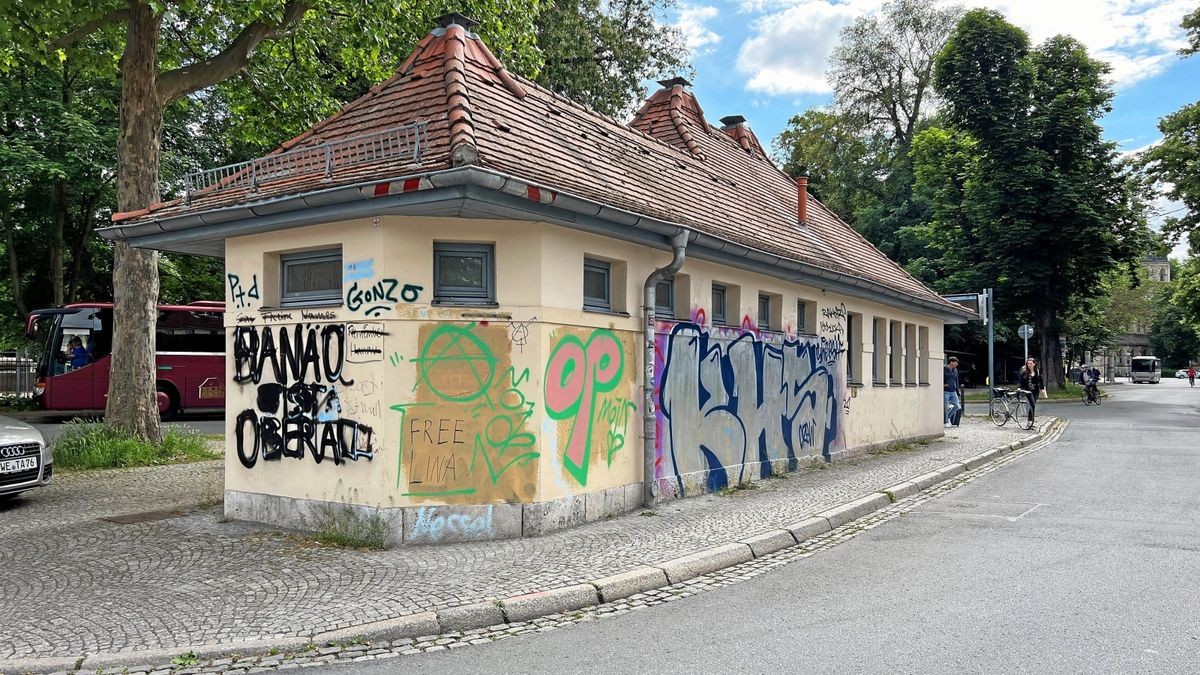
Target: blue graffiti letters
733,403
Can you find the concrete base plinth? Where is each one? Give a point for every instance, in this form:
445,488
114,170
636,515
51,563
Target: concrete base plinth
440,523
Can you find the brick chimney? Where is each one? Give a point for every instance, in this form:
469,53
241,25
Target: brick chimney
802,198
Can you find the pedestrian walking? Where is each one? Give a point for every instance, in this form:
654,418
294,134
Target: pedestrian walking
951,404
1032,384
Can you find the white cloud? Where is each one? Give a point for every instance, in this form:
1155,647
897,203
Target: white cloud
693,23
1139,38
787,50
790,40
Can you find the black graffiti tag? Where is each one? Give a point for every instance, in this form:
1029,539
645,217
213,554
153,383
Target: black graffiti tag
290,353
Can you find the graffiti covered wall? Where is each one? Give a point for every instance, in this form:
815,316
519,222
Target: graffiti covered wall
735,405
303,391
465,435
591,404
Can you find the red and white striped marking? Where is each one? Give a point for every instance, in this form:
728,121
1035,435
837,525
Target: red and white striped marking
396,187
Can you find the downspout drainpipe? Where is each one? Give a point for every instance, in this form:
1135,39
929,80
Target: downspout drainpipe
649,482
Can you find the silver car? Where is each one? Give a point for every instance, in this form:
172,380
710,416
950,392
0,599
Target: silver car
25,461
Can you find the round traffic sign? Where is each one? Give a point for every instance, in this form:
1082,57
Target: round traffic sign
1025,331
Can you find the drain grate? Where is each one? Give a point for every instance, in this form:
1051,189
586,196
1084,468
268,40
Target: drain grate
147,517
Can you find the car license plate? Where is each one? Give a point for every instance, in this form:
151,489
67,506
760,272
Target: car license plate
15,465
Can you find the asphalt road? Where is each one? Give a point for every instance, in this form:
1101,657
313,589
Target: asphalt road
205,424
1080,557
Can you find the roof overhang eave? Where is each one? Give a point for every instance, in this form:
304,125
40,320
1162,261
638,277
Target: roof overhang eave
481,193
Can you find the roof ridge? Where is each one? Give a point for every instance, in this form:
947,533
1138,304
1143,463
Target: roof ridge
676,108
463,149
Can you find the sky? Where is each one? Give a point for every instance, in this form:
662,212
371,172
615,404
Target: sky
766,59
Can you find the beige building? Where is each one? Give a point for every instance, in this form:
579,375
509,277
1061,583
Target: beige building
484,311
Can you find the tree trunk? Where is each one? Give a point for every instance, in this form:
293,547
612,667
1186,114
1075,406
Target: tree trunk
14,272
57,237
56,240
132,402
79,253
1051,351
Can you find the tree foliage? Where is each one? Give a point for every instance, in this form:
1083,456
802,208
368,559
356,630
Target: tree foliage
882,69
858,152
839,161
1173,338
1047,208
599,53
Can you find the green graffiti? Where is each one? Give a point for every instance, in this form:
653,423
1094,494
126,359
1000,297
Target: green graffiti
448,348
577,373
455,354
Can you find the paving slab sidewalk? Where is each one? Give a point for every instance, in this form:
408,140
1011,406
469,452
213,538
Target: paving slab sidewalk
76,585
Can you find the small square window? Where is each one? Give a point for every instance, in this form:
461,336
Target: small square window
718,305
597,285
464,274
764,312
664,299
311,277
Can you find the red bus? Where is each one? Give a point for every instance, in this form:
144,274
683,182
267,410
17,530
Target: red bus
76,353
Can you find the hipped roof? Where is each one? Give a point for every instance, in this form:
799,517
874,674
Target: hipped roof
669,164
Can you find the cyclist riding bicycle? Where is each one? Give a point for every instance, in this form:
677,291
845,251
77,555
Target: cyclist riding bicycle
1091,382
1191,372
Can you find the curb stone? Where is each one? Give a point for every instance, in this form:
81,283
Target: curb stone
901,490
409,626
467,617
629,583
555,601
769,542
706,561
840,515
519,609
807,529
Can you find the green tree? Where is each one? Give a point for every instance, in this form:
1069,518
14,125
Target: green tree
1191,24
57,129
1173,338
167,53
882,68
600,53
1049,209
839,161
882,75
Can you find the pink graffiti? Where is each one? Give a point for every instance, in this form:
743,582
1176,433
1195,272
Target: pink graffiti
575,375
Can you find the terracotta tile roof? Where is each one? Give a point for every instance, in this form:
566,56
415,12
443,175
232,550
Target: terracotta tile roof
668,163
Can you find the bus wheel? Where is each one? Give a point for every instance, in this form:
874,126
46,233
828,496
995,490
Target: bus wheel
168,401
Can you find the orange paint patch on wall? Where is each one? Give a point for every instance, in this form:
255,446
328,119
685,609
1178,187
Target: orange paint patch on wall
466,438
590,385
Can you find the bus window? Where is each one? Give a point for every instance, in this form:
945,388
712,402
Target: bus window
191,332
73,345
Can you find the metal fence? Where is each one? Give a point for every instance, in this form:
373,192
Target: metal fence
18,372
404,143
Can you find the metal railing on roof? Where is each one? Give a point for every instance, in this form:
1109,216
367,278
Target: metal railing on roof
404,142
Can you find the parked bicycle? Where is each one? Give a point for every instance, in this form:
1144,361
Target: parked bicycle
1011,404
1091,395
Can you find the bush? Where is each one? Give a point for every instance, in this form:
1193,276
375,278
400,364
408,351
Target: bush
1168,373
343,526
96,445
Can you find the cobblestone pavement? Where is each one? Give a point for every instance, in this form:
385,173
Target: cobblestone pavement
75,585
